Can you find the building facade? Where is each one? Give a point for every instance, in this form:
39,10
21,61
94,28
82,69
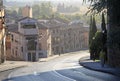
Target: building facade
59,38
24,41
34,39
2,33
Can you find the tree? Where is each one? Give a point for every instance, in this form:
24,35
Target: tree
44,10
20,11
113,27
104,38
103,25
36,11
96,45
92,31
90,37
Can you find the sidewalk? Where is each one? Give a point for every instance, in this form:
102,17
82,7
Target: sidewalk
87,63
48,58
9,65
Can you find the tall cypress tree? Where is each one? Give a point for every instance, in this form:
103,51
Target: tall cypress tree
104,38
92,31
94,27
90,37
103,25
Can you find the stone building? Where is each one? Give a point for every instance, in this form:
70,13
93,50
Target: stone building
33,39
24,40
2,33
58,37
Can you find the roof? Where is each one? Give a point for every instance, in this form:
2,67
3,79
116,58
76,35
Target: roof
75,22
52,23
24,18
12,27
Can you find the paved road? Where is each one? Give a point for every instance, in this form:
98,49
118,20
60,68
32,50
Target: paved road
3,75
64,68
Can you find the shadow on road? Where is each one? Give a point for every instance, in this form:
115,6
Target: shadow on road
78,74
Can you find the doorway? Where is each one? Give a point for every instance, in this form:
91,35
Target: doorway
32,57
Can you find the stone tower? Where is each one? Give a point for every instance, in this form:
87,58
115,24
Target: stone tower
27,11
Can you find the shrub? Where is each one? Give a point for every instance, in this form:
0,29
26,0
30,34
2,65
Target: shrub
96,45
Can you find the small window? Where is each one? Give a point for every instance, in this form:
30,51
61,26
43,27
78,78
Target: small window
12,37
22,49
29,26
16,53
13,51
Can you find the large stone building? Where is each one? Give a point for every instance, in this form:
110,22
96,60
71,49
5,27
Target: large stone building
33,39
2,33
24,40
59,38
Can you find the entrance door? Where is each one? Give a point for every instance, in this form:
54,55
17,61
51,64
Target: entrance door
33,57
29,56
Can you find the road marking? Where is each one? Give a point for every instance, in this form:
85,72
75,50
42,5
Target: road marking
9,76
61,74
70,79
58,74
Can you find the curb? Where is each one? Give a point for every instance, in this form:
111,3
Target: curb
87,67
13,68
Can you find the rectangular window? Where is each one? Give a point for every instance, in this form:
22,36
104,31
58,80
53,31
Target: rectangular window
22,49
13,51
29,26
12,37
16,53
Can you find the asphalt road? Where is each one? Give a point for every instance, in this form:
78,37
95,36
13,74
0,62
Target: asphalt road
63,68
3,75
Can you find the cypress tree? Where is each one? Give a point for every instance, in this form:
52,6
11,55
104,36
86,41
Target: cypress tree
92,31
104,38
90,36
94,27
103,25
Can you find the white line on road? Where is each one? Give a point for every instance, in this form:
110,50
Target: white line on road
60,75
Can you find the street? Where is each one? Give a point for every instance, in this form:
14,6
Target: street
63,68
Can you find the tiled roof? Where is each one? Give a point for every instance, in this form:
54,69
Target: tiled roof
50,23
12,27
26,18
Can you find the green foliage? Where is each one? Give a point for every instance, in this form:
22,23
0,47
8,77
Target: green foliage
102,55
103,25
113,38
20,11
97,6
93,29
96,45
44,10
36,11
90,31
